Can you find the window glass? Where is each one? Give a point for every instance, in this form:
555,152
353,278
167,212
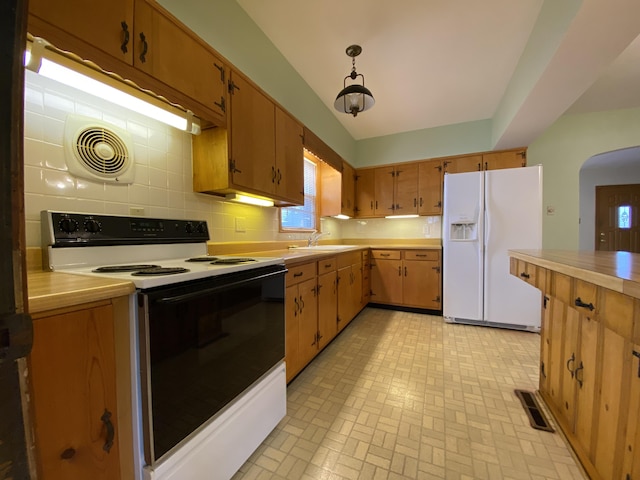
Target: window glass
624,216
303,217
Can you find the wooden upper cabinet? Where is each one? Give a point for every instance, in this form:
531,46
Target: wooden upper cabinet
348,202
430,187
167,51
145,44
260,153
506,159
289,158
389,190
384,191
466,163
365,193
252,131
74,25
405,189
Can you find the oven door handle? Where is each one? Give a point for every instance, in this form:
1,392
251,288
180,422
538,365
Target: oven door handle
208,291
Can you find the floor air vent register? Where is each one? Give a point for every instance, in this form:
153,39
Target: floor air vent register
533,410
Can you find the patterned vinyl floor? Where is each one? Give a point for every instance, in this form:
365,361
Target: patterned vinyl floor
406,396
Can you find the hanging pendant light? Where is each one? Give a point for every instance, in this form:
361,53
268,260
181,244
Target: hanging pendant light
354,98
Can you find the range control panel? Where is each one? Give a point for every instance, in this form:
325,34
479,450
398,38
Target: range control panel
64,229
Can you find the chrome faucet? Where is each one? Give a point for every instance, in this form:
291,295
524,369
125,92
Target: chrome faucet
314,237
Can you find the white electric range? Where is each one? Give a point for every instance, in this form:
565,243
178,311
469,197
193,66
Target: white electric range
207,337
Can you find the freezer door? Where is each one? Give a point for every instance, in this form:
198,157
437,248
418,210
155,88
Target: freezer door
462,246
513,220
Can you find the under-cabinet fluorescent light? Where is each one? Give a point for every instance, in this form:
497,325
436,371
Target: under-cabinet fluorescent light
342,217
240,198
402,216
48,63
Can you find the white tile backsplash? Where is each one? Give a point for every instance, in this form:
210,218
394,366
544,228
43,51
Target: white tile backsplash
163,176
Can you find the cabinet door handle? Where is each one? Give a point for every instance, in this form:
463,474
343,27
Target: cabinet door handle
437,269
637,354
420,201
376,204
301,305
125,39
580,303
143,54
273,174
439,204
399,271
405,271
525,275
221,69
479,166
415,202
579,369
111,433
222,105
571,360
296,275
280,178
371,204
295,311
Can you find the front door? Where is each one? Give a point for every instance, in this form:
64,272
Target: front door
617,218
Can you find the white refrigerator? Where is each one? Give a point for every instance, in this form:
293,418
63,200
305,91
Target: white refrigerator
485,215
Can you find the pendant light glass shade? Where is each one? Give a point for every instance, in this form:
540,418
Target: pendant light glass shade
354,98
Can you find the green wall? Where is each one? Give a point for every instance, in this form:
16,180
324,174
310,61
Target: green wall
562,150
230,31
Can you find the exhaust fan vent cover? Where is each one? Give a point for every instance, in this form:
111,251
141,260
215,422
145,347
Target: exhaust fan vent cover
99,151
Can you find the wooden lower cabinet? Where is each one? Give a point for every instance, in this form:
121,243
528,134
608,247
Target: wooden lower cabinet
310,312
81,403
327,302
349,287
301,317
590,372
410,278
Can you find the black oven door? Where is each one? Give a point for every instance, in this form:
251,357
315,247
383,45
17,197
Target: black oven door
202,344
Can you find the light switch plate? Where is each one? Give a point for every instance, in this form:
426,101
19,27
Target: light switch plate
136,211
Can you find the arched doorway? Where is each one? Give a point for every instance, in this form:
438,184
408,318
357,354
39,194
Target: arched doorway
618,167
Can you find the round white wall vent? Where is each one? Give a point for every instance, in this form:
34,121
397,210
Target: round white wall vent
96,150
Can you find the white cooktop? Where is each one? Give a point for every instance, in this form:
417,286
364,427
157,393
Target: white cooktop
83,260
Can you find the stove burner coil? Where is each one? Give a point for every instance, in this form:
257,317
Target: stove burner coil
232,261
205,258
160,271
123,268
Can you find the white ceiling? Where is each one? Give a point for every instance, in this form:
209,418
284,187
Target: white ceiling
432,63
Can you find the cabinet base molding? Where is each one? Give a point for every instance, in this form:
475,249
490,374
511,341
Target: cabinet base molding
404,308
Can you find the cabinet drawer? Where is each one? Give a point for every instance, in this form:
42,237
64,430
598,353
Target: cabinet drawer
300,273
430,255
348,259
616,310
527,272
386,254
561,287
585,298
326,265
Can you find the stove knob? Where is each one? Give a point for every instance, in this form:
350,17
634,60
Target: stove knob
189,227
202,227
92,226
68,225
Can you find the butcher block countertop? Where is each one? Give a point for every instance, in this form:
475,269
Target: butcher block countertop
618,271
52,290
